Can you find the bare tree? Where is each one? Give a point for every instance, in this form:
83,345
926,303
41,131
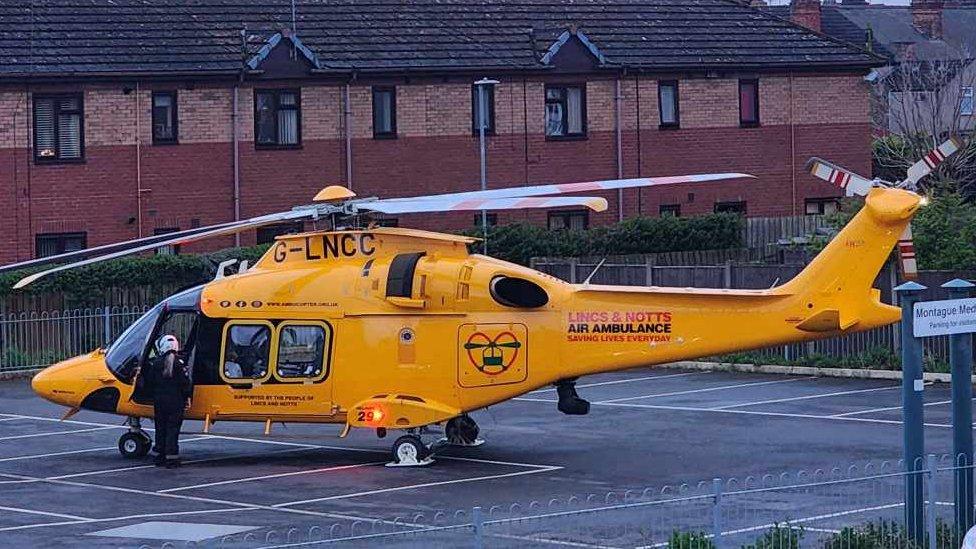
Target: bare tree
919,104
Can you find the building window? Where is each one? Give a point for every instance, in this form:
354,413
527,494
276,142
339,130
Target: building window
169,249
821,206
50,244
667,100
966,102
673,210
267,235
749,102
574,220
491,218
738,207
565,112
277,118
384,112
164,119
59,128
387,222
489,109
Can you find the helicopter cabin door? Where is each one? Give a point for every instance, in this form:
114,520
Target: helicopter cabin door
272,369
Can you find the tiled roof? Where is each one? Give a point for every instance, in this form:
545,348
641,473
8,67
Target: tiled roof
892,27
47,37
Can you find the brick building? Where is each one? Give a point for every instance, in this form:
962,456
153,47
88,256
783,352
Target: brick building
125,118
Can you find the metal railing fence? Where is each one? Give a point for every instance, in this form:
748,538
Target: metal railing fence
855,507
34,340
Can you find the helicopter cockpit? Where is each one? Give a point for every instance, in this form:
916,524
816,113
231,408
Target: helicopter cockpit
177,315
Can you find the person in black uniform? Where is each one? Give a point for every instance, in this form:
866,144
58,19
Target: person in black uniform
171,389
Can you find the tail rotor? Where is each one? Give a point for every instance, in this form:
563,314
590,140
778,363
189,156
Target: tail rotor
856,185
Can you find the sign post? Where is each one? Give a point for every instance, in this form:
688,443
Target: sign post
912,385
961,361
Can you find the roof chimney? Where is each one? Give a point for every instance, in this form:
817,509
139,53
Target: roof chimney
806,13
927,17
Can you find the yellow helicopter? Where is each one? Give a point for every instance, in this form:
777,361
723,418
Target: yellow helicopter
391,328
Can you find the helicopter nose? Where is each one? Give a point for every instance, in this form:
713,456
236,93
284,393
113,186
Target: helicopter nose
69,382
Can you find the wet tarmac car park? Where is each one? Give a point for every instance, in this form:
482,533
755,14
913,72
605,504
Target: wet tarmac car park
63,483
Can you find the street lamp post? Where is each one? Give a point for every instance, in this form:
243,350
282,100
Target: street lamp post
482,125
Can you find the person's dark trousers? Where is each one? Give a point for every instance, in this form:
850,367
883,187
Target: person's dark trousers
169,421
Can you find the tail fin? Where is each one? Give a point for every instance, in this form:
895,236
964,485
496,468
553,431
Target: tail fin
837,286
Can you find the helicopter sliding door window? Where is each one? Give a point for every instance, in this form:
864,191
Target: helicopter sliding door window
277,118
489,109
749,103
565,111
667,101
164,118
46,245
247,351
384,112
59,128
303,351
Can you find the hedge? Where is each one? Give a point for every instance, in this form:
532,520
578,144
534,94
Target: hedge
520,242
132,272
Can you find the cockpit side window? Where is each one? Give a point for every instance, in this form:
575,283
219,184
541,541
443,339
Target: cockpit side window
247,351
125,354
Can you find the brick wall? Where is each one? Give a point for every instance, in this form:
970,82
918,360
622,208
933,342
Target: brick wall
123,188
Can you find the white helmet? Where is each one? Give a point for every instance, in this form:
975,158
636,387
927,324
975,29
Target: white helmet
166,344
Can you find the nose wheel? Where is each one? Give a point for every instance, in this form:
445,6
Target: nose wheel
134,444
410,451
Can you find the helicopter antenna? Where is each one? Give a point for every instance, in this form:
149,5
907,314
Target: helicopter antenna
595,269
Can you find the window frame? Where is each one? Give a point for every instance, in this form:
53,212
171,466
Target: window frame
171,249
755,98
490,217
715,208
584,125
175,114
567,214
392,90
821,202
272,351
673,209
297,107
54,97
490,100
326,351
660,105
970,93
39,236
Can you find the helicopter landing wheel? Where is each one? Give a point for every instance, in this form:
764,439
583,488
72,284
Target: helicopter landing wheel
134,445
410,451
462,431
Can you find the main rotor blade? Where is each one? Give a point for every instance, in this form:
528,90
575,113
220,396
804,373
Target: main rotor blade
204,233
107,248
452,204
931,161
852,183
587,186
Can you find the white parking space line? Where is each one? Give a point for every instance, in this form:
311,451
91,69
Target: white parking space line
278,475
56,433
808,397
85,451
744,412
125,518
544,469
888,409
705,390
43,513
629,380
9,418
